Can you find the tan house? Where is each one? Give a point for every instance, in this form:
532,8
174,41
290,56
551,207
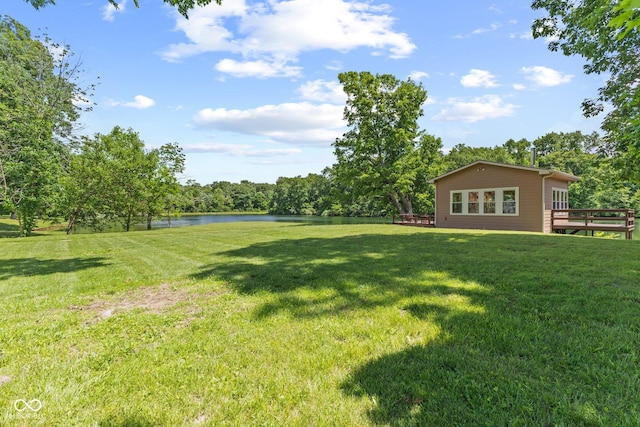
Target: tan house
496,196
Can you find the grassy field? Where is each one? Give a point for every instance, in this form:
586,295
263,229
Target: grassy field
277,324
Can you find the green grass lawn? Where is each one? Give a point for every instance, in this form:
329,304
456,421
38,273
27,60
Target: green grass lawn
276,324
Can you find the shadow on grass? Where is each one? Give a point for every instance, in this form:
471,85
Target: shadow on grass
9,229
504,370
554,339
380,270
40,267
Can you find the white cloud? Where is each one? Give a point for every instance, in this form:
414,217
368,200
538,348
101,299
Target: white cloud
546,77
492,27
323,91
319,137
478,78
526,35
277,31
140,102
205,31
418,75
239,150
260,69
109,10
518,86
334,66
486,107
296,123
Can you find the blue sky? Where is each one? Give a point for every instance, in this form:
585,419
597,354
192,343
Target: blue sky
249,89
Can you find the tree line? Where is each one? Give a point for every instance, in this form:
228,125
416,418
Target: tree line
601,184
384,160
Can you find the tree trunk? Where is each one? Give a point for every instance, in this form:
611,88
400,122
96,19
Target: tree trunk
149,219
127,224
72,222
402,203
406,202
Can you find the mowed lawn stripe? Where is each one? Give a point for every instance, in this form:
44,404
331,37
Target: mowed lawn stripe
288,324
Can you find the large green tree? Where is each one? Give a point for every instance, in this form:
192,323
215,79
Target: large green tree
384,151
112,177
183,6
601,185
39,103
461,155
163,188
606,34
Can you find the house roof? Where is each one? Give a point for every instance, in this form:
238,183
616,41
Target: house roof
550,172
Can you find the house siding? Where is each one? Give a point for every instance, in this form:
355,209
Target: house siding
549,185
485,176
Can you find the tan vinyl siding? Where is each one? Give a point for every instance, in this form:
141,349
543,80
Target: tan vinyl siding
549,185
487,176
547,221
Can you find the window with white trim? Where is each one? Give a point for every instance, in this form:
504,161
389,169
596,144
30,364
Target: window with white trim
473,207
560,198
456,203
487,201
509,202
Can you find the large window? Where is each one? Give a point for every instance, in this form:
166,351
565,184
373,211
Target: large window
473,207
489,201
456,203
509,202
560,198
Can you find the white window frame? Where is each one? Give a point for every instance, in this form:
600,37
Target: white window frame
499,199
559,198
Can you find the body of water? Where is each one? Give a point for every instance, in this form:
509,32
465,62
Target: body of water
188,220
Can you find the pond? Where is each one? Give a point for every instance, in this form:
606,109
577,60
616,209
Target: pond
187,220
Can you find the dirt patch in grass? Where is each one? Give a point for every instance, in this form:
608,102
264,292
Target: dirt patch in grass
154,299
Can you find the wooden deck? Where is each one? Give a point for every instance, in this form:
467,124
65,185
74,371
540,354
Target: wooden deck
415,220
591,220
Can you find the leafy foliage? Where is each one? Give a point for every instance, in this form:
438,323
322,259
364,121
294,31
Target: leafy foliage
606,34
461,155
112,176
162,187
628,17
224,196
383,152
183,6
39,103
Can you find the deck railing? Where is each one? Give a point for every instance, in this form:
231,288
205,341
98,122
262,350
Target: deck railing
427,220
611,220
